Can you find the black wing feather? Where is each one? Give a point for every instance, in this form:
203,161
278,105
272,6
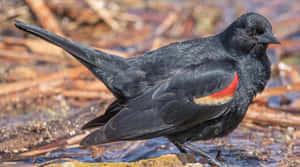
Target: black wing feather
168,107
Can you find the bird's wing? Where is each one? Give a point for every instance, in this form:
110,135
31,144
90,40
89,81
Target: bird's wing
193,95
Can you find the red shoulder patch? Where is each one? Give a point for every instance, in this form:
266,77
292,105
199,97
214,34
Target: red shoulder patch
229,90
220,97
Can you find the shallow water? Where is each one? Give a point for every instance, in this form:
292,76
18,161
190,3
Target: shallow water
246,146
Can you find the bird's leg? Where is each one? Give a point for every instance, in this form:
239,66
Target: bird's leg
219,156
210,159
180,148
178,145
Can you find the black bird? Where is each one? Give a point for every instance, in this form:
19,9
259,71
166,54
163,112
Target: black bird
192,90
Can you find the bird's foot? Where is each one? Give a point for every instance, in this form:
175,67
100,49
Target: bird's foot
217,163
211,160
178,145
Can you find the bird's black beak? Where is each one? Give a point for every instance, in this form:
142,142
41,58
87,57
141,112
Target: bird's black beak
268,38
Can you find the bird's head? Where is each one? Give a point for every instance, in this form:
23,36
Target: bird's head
251,32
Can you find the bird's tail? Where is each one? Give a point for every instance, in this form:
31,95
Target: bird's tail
96,137
104,66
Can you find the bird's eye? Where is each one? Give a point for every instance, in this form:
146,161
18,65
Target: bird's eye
255,31
259,31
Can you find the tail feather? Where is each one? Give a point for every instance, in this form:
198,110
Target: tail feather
77,50
111,111
104,66
96,137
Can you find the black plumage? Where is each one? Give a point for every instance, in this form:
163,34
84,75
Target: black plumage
156,93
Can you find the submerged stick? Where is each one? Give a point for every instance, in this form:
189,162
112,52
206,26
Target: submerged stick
6,89
269,116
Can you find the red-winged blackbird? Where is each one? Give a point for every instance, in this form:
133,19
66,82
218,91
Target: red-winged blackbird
186,91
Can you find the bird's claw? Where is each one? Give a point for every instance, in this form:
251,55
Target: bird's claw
217,163
221,164
212,161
